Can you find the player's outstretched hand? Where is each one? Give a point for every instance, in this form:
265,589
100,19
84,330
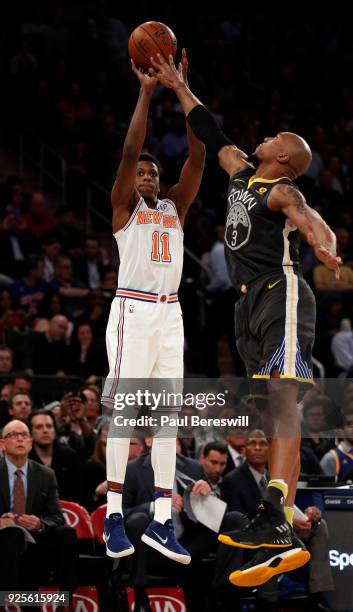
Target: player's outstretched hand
184,66
148,80
329,260
167,73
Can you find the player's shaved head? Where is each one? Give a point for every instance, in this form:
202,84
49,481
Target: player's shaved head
298,151
286,153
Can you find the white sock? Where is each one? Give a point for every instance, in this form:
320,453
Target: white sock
117,458
163,458
114,503
162,509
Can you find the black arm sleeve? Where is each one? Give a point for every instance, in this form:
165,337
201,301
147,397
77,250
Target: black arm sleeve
206,129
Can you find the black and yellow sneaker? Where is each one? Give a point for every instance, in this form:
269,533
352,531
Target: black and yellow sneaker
266,563
268,529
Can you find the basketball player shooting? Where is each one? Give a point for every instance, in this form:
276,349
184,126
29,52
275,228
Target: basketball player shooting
275,316
145,336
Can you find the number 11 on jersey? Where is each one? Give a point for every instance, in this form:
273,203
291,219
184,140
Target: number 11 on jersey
160,247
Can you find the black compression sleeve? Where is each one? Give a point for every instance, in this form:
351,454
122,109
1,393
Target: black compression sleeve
206,129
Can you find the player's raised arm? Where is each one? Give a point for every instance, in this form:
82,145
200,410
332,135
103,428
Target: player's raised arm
201,121
124,193
291,202
186,190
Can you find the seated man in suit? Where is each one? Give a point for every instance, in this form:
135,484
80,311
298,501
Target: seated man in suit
29,499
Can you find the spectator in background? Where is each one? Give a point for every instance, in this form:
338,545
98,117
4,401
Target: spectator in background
75,431
214,460
93,405
70,238
6,392
315,414
20,406
72,292
90,268
344,248
30,291
47,352
50,249
342,346
243,486
38,221
87,357
221,297
137,448
6,359
16,198
16,244
62,459
236,440
22,382
325,281
9,317
75,104
94,489
339,460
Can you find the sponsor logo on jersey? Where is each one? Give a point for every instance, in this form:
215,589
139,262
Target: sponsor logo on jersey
261,190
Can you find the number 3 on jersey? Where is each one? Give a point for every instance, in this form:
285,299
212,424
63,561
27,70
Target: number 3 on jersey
160,247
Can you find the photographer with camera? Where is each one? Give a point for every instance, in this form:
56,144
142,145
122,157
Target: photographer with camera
76,431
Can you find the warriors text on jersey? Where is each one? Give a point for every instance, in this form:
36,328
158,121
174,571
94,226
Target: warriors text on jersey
258,241
151,249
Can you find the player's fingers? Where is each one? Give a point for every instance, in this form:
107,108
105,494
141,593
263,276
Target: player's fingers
155,64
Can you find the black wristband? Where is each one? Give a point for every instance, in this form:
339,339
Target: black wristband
206,129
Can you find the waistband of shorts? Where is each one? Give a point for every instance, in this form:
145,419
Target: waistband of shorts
147,296
244,288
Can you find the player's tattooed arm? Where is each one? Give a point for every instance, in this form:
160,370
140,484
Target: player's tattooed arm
288,200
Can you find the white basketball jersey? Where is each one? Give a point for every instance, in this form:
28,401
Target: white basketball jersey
151,249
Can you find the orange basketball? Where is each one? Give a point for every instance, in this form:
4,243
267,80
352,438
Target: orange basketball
148,39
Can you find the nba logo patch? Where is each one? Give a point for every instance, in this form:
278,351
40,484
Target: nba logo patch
162,206
131,308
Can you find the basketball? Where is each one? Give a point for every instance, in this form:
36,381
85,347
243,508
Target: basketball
148,39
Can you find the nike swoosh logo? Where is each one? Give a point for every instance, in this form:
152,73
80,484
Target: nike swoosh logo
271,285
161,539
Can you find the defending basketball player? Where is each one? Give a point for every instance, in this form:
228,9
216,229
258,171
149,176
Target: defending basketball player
275,316
145,337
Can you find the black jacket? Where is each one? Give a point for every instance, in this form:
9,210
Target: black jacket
68,468
240,490
42,494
